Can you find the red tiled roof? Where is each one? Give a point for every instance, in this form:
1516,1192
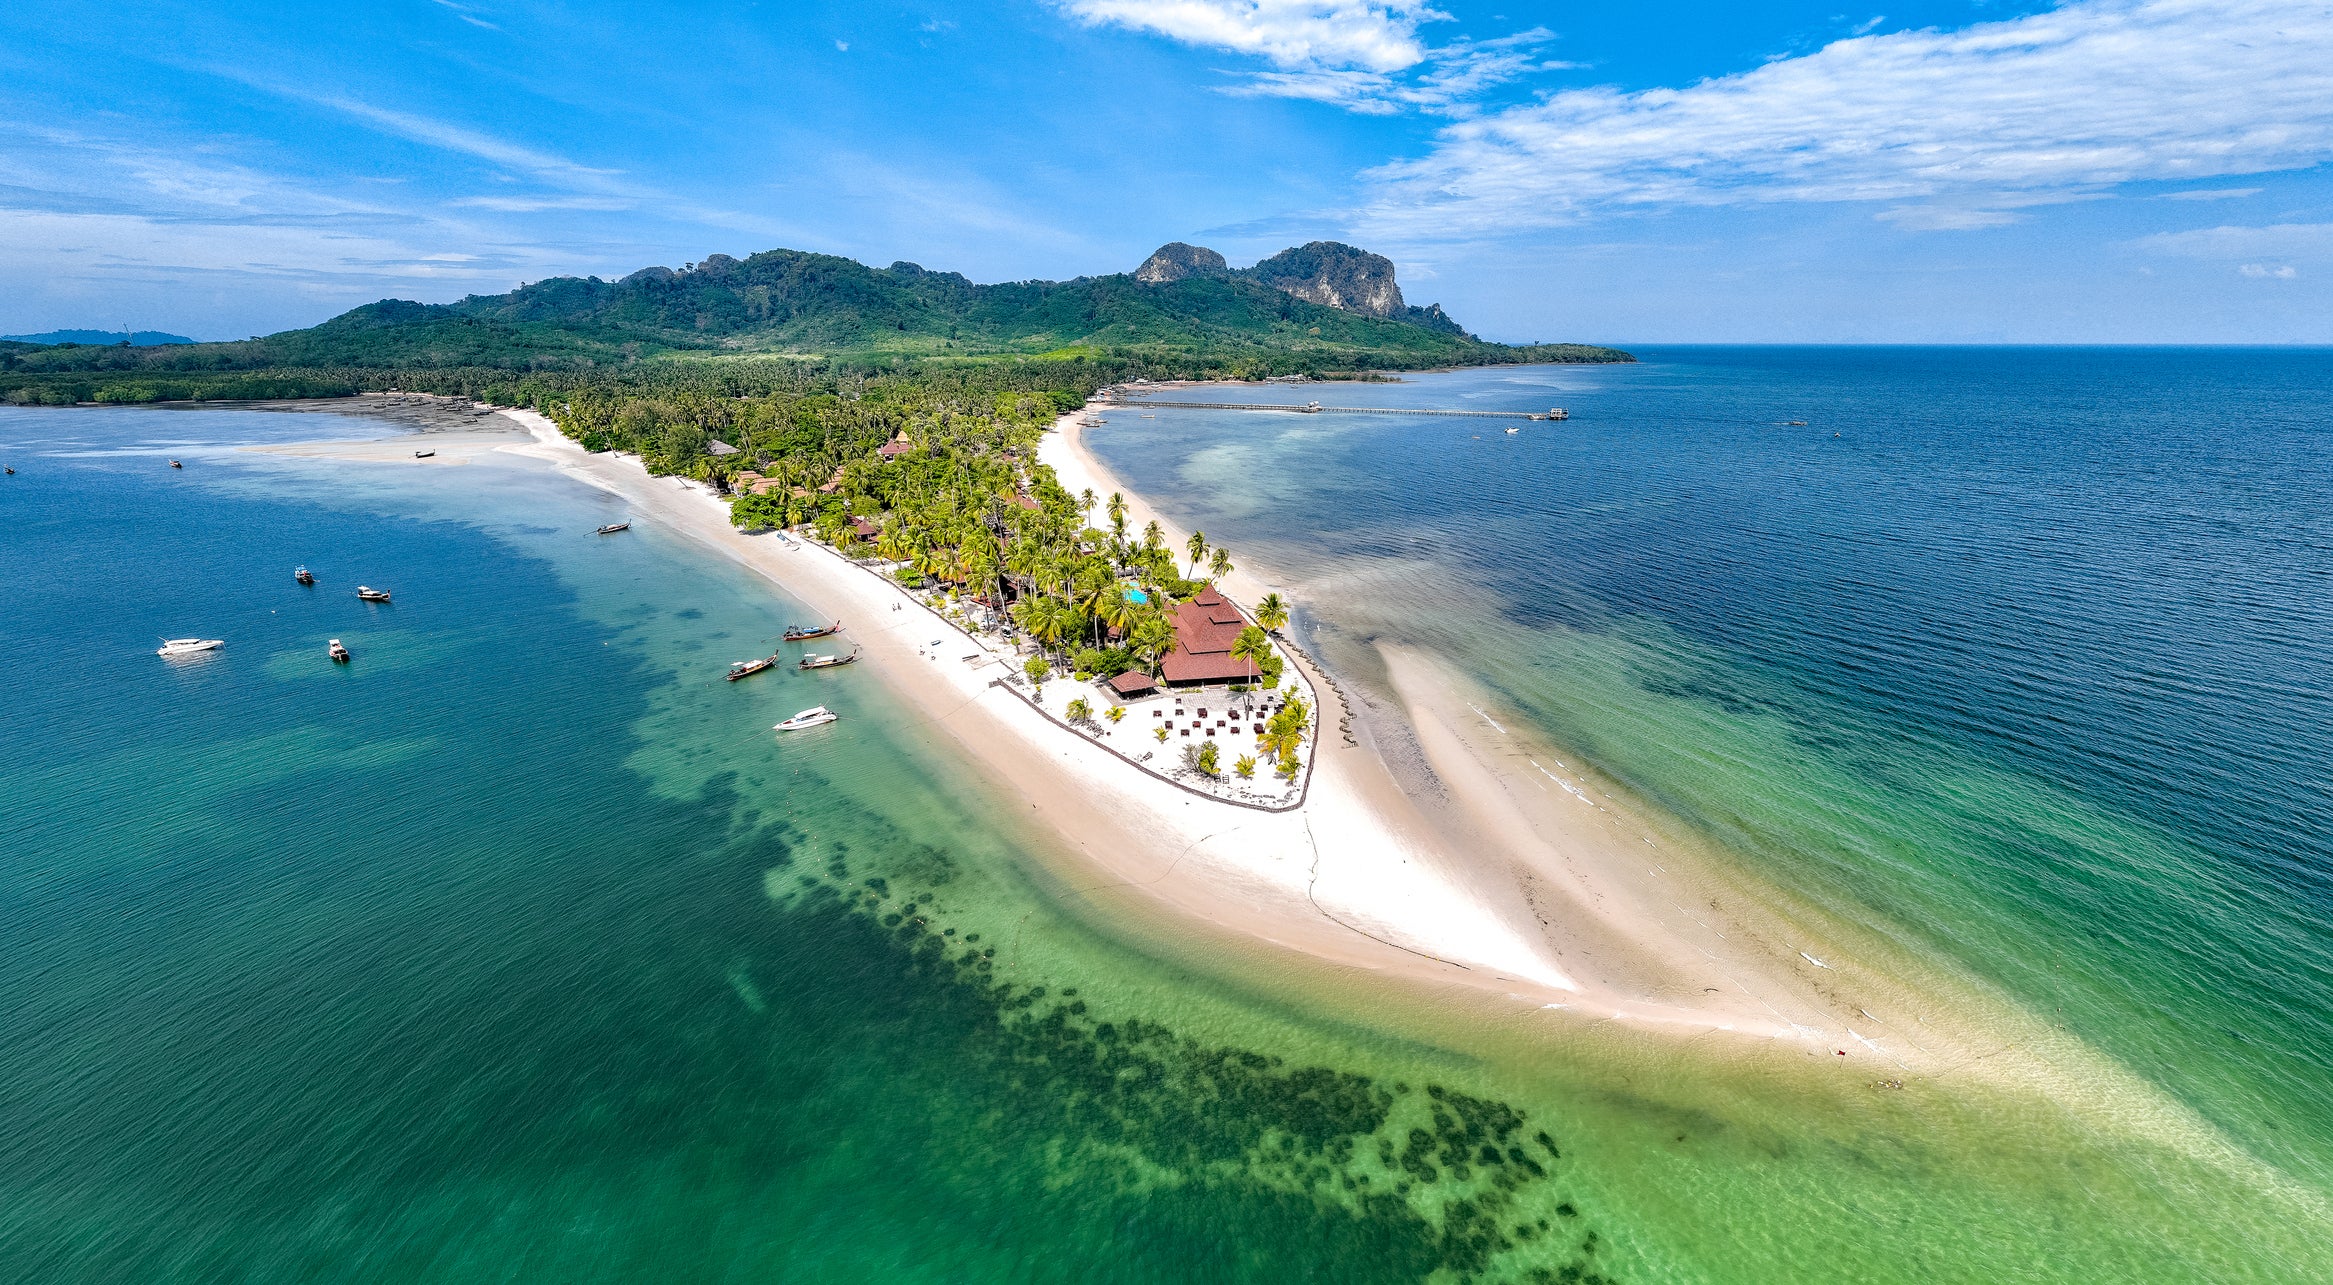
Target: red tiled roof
1205,628
890,450
1132,683
1209,667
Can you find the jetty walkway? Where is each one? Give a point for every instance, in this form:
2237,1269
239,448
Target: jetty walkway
1315,408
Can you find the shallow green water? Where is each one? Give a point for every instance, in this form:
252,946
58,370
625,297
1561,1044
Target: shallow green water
521,949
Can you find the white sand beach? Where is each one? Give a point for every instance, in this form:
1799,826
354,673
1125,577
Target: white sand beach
1527,891
1519,885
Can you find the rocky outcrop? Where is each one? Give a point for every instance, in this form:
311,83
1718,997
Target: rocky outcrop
1433,318
1335,275
1175,261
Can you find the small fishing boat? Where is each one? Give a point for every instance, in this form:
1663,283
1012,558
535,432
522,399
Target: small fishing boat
303,575
811,717
339,653
796,633
12,472
176,464
827,662
1512,431
747,668
173,648
423,455
613,527
372,595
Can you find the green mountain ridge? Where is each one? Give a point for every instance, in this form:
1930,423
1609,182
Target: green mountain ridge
803,304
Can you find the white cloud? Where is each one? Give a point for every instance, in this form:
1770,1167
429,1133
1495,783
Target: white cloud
2307,242
1977,122
2212,194
1291,34
2283,272
1365,58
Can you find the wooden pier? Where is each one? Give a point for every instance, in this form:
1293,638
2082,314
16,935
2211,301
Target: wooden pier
1315,408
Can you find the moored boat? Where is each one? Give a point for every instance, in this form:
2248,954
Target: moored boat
613,527
811,717
423,455
339,653
746,668
796,633
303,575
370,594
176,464
172,648
828,662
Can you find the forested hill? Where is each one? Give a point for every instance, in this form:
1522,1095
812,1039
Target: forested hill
1324,308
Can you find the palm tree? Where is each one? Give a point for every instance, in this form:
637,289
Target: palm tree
1153,536
1117,513
1197,547
1272,613
1252,647
1094,590
1116,612
1152,639
1219,566
1085,501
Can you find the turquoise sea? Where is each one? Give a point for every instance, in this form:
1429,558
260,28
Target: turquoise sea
2024,654
521,949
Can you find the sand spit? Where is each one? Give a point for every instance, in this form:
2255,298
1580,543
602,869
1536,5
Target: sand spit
1527,892
1656,931
1491,888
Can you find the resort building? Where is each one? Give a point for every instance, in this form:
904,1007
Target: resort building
752,483
1132,685
1205,629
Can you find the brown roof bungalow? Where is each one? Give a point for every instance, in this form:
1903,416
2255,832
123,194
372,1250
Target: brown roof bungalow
1131,684
1205,628
864,529
895,448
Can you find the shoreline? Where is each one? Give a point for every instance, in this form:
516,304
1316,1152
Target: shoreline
1509,902
1489,887
1607,879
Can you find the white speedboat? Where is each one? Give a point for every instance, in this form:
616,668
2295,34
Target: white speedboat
172,648
811,717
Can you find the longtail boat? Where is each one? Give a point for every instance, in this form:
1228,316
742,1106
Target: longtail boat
828,662
747,668
613,527
372,595
303,575
339,653
796,633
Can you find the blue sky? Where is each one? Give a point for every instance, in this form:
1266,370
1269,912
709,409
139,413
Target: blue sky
2137,171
